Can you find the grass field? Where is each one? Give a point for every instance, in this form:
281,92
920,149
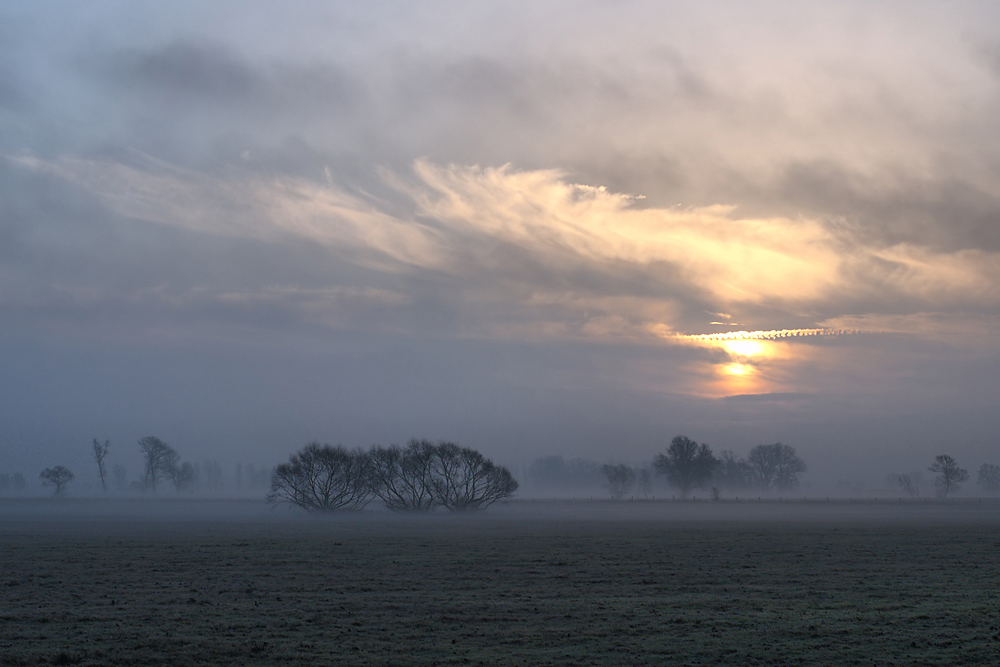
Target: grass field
538,585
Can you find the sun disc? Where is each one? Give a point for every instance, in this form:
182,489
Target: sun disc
743,348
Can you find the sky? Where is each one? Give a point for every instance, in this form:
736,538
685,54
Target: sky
561,228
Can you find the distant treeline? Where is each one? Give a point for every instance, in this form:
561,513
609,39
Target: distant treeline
950,478
424,475
162,467
686,466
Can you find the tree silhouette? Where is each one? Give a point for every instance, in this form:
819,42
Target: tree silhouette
908,483
418,478
645,479
159,458
950,477
58,477
732,473
686,464
775,466
323,478
404,478
464,480
100,452
620,479
181,474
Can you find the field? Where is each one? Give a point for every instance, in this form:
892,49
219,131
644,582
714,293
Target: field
526,584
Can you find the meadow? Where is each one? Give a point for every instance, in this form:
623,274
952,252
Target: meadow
526,584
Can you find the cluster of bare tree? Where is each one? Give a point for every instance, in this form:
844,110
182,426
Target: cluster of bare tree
620,479
162,462
767,468
949,479
59,476
688,465
415,478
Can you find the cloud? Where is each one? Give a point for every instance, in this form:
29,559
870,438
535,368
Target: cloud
966,330
185,68
192,74
734,259
522,253
768,335
248,205
891,134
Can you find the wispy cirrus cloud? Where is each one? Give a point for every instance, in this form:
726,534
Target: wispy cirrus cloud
530,253
248,205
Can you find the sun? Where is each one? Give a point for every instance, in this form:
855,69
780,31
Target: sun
744,348
747,362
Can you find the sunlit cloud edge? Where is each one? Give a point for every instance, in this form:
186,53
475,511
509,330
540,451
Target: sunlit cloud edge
774,334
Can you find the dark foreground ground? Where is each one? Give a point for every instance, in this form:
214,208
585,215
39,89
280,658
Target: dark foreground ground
530,584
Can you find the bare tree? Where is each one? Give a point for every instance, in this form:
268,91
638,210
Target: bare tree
732,473
989,478
404,478
465,480
620,479
120,473
775,466
100,452
58,477
950,477
323,478
645,482
181,474
686,464
907,483
159,458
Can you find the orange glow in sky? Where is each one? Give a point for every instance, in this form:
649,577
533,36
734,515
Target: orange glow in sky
729,379
751,361
746,348
750,358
